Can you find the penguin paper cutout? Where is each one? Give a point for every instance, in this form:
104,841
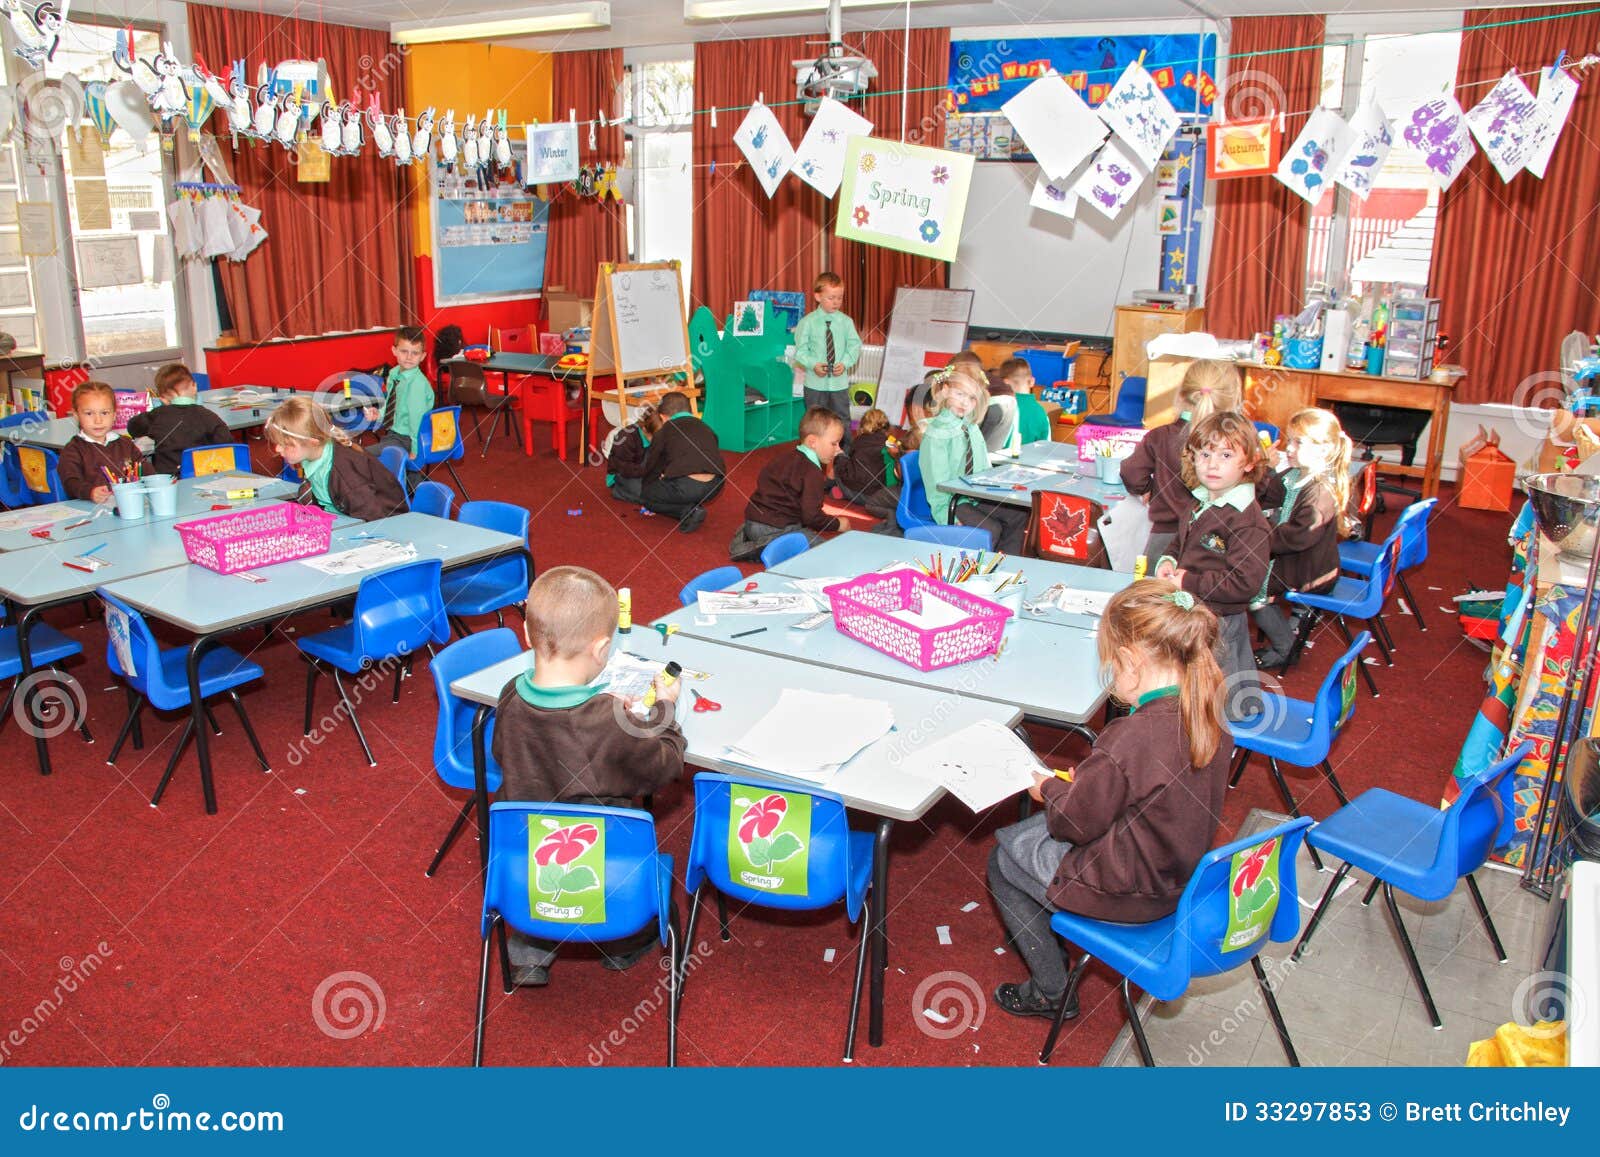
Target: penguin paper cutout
332,129
266,116
449,145
422,139
37,33
238,105
165,89
351,138
502,143
469,143
288,126
379,124
486,138
402,138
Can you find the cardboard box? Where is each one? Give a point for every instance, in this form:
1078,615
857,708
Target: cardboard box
1162,378
564,310
1488,476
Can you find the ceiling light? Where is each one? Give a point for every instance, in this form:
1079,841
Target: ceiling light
496,25
733,9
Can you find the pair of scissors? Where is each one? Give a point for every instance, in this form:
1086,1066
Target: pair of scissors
667,631
701,703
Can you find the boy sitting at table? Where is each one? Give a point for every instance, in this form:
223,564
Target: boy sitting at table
1033,424
790,489
179,423
97,454
409,394
560,737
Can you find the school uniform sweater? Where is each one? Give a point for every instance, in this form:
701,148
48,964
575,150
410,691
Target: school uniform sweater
1156,468
356,483
81,463
628,450
567,743
1304,541
789,492
1223,549
1138,814
684,445
865,466
176,426
1033,423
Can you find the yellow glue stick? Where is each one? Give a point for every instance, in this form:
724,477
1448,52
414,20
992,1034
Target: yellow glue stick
668,678
1141,567
625,610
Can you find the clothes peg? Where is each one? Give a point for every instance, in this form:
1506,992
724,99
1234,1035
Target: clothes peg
713,116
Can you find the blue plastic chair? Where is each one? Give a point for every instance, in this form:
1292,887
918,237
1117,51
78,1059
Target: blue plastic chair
161,679
838,864
290,473
452,736
959,537
439,442
1299,732
913,509
47,647
635,880
1411,528
202,382
433,498
781,549
354,422
13,492
1268,429
1362,598
488,587
397,612
716,579
212,460
40,476
1419,849
1163,956
1130,405
394,460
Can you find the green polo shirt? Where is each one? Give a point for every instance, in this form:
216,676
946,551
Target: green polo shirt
553,698
318,471
1150,696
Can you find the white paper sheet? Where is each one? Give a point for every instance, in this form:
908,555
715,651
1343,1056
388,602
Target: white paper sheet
756,603
788,740
980,765
1061,131
1371,138
819,161
1557,91
222,483
1308,165
1503,121
1054,197
1140,114
628,676
766,146
1124,529
1436,130
368,556
31,517
1111,181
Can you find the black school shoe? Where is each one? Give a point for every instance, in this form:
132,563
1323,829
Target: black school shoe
690,522
1026,1000
625,960
530,976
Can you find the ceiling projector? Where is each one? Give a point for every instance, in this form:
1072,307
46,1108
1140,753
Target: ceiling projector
838,72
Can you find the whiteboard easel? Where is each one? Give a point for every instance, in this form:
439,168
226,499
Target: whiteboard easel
639,331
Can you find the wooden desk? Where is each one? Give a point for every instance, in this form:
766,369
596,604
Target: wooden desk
1273,394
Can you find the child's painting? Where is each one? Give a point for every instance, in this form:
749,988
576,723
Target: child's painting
1436,130
1140,114
748,319
766,146
904,197
1309,164
1557,91
819,161
1112,180
1054,197
1503,124
1371,138
1060,130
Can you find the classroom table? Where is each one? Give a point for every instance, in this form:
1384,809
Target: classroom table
1057,454
191,504
1051,673
209,605
55,433
747,686
526,368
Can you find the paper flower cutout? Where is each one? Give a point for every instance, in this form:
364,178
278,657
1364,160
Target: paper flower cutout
940,174
861,216
930,232
868,162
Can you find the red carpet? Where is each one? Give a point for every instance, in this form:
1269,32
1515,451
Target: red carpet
272,932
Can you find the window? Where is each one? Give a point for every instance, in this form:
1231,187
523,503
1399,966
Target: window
1388,238
658,104
116,240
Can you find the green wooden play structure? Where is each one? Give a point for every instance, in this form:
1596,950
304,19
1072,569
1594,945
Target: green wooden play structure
729,364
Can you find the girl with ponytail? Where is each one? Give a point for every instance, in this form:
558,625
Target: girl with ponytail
1119,839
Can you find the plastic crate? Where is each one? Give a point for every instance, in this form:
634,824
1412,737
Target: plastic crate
1048,366
862,609
260,536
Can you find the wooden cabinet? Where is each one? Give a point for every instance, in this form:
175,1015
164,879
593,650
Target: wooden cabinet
1136,325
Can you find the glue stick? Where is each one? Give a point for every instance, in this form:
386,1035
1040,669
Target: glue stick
668,678
1141,566
625,610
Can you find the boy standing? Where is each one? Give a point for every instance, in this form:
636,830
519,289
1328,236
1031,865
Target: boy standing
682,470
790,488
180,423
560,738
409,395
827,347
96,449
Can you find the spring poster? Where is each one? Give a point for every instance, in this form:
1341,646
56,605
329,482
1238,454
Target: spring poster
904,197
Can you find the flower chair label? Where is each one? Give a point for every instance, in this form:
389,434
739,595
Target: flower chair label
1347,693
567,870
1252,895
769,842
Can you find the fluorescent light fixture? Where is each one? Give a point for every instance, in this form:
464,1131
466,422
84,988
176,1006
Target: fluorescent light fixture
496,25
734,9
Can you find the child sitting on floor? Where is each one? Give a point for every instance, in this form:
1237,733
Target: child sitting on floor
180,423
683,467
96,450
1305,508
866,472
1119,839
339,477
790,489
625,454
559,737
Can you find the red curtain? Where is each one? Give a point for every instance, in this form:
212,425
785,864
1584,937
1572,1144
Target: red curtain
872,273
1514,264
1258,248
585,231
338,254
743,240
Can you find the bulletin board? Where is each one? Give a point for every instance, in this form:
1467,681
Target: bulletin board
488,243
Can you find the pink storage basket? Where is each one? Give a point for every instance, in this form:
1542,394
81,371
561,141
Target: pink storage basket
260,536
861,610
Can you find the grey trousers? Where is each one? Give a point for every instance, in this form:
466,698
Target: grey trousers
1240,680
836,400
1021,866
629,490
752,538
1008,524
1277,625
1159,543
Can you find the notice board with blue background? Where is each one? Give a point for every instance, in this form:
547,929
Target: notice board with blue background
984,74
488,236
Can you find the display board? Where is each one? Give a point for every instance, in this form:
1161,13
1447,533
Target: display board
488,241
924,322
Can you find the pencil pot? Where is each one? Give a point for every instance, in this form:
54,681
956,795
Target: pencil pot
1109,470
161,492
130,499
917,619
262,536
1006,590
